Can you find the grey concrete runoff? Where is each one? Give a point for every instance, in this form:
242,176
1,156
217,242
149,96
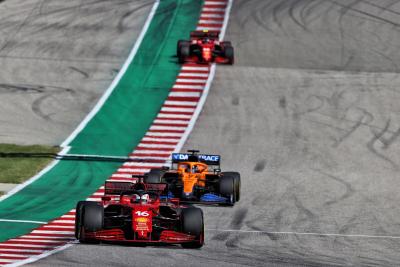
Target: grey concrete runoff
5,187
309,115
57,58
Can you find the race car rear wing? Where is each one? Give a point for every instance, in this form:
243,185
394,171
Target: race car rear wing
207,159
117,188
203,34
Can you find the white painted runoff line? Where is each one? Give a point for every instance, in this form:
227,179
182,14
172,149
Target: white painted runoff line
305,233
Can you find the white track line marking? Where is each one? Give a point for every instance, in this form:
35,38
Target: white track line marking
158,145
157,134
194,74
22,221
185,94
181,103
178,109
153,139
301,233
156,127
38,257
208,28
186,80
194,68
167,122
178,86
211,16
133,170
218,22
213,9
175,116
141,164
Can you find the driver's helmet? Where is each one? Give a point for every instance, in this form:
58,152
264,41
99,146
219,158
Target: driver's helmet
145,198
135,197
206,40
195,169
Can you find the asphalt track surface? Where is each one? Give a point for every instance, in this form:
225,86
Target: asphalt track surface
309,115
57,58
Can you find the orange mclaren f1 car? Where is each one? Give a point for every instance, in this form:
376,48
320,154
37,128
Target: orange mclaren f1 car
197,178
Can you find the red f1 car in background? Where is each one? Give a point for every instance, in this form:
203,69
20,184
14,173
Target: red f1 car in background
135,213
205,47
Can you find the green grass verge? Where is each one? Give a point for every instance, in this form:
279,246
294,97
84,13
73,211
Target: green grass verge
16,169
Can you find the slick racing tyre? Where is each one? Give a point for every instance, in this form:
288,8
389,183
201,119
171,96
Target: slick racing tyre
227,188
193,224
184,52
229,54
91,220
78,217
180,44
236,183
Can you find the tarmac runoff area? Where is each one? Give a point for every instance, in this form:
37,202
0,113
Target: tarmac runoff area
6,187
57,58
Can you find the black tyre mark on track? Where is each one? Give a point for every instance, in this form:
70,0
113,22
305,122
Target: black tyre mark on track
233,242
365,119
260,16
282,102
349,191
260,166
43,91
8,41
238,218
368,14
84,74
235,101
292,8
11,88
221,236
379,137
120,26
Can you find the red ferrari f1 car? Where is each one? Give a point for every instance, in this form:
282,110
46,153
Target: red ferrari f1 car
205,47
135,213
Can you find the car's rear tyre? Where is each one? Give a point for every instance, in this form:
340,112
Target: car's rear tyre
178,47
153,177
184,52
229,54
91,219
193,224
78,217
227,188
236,183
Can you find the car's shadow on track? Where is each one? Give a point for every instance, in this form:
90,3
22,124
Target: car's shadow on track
135,245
